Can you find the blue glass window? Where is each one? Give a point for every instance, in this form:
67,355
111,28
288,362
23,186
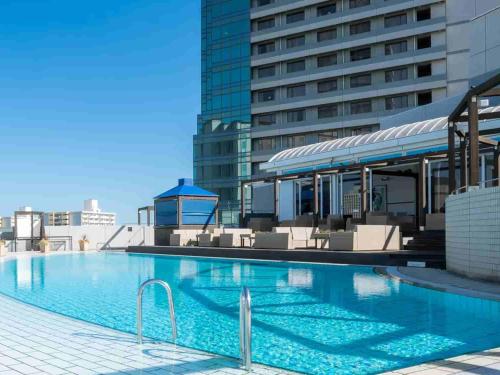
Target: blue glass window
166,212
198,212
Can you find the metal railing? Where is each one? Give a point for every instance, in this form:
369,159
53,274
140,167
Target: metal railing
246,328
482,184
170,306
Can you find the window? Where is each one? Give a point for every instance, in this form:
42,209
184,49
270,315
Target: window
261,3
360,54
327,111
424,98
327,60
396,75
296,66
362,106
396,47
264,144
326,9
266,96
266,71
395,20
396,102
424,42
294,141
327,85
265,119
424,70
265,24
294,91
326,34
423,14
360,131
361,80
359,28
295,17
296,41
295,116
358,3
266,48
328,136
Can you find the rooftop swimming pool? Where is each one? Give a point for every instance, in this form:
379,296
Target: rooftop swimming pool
309,318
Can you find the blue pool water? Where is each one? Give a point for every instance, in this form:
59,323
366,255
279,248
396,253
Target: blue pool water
316,319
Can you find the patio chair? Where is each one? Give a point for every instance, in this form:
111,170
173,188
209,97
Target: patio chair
231,237
367,237
184,237
273,240
209,239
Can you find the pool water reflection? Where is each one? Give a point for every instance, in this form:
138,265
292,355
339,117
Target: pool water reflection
311,318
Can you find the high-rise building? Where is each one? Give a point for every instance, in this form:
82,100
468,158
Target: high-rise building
282,73
222,145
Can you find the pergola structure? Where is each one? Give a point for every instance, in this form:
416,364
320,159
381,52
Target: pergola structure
363,169
467,111
148,210
472,139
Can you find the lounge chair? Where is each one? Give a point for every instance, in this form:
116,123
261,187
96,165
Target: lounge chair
301,237
209,239
273,240
367,237
184,237
231,237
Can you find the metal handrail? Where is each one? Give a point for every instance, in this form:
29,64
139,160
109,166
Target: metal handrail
170,306
482,185
246,328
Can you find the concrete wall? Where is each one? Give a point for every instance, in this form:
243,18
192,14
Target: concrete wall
101,237
485,43
461,26
473,234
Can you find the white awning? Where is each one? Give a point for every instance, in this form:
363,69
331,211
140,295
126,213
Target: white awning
418,137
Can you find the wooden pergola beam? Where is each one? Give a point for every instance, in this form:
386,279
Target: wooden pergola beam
473,141
452,128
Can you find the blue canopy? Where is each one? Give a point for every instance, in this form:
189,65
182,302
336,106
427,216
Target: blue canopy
186,188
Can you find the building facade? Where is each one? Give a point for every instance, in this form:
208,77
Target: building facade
90,215
322,70
222,145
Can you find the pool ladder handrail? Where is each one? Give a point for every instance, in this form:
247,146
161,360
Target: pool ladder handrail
246,328
140,292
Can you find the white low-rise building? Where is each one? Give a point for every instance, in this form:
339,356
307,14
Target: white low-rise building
90,215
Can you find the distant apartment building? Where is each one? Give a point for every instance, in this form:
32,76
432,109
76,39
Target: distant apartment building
90,215
6,222
278,74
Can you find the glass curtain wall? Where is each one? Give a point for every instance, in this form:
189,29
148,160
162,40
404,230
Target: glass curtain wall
222,144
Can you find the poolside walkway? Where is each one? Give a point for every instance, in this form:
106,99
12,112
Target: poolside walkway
35,341
446,281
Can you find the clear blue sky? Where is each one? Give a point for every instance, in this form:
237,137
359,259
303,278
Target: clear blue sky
98,99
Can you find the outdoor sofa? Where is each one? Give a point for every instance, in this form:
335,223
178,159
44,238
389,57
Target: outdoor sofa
184,237
367,237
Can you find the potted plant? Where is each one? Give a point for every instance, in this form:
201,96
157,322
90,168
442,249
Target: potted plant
3,248
44,245
84,243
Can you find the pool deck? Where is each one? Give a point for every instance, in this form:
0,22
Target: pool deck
36,341
445,281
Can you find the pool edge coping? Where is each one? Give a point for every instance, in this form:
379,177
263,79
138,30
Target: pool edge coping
392,272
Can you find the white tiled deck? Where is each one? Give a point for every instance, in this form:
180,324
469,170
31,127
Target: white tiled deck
34,341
